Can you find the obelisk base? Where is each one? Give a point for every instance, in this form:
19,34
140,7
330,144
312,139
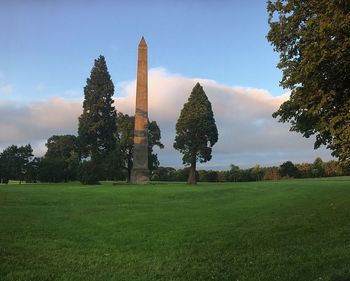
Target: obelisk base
139,176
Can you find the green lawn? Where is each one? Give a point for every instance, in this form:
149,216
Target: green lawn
286,230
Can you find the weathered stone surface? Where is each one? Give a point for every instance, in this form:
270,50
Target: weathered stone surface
140,171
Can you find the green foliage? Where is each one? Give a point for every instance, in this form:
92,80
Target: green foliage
220,232
288,169
61,146
154,137
196,131
15,162
183,174
111,166
257,173
164,174
61,160
126,126
208,176
234,174
318,168
52,170
313,40
89,172
97,124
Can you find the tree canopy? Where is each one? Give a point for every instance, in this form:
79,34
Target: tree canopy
313,39
61,146
196,131
288,169
61,160
15,162
97,124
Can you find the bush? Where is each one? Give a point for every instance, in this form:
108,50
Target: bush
88,173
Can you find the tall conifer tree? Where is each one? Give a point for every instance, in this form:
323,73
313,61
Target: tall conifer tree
196,131
97,124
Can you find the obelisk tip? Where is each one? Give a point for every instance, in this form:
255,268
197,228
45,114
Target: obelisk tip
143,42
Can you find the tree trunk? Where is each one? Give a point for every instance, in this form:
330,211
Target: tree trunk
129,176
192,175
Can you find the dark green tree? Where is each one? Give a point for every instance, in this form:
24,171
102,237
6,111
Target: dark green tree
318,168
209,176
52,170
196,131
182,174
288,169
164,174
4,176
154,136
62,153
125,125
313,39
126,142
235,173
15,162
87,172
97,124
61,146
33,170
257,173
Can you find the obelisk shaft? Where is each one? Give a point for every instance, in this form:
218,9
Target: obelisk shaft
140,171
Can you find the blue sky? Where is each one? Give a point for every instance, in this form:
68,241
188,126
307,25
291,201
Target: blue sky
54,43
48,47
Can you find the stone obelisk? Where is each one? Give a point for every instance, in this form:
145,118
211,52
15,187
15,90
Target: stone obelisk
140,171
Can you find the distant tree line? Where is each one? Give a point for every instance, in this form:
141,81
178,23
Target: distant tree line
287,170
61,163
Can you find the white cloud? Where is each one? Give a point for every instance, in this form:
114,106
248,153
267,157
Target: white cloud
35,122
247,133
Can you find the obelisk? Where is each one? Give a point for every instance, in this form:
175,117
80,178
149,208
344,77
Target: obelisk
140,171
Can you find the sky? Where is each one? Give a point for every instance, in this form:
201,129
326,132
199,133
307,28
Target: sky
48,48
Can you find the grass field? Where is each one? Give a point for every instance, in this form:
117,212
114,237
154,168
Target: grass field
285,230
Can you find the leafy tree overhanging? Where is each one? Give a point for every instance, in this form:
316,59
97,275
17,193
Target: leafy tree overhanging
313,39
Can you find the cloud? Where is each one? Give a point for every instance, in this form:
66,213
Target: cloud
35,122
248,135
